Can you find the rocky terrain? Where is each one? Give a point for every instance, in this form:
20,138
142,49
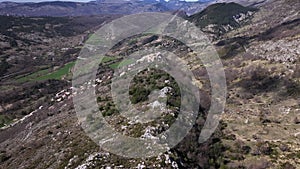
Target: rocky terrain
259,129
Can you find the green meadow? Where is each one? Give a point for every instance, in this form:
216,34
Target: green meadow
46,74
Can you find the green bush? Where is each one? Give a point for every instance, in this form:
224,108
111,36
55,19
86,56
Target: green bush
110,112
139,94
4,66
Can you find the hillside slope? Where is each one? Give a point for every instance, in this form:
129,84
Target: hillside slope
222,17
259,128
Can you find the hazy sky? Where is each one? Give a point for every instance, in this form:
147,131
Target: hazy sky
57,0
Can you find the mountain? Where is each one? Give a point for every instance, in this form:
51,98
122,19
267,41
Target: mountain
259,128
222,17
188,7
59,8
243,2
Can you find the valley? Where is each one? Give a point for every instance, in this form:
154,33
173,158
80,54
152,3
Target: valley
259,49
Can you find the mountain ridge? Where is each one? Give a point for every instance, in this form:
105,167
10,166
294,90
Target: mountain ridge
60,8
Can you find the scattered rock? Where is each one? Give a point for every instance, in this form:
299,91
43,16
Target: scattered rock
297,120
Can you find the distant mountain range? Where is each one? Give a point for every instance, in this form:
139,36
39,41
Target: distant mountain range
60,8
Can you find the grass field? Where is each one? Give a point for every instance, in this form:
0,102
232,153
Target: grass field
33,75
107,59
122,63
95,39
58,74
46,74
65,70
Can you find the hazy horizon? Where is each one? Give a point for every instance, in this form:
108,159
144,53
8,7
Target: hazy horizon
60,0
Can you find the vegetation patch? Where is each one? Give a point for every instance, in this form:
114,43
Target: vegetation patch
33,75
148,81
123,63
4,66
44,75
5,120
106,59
